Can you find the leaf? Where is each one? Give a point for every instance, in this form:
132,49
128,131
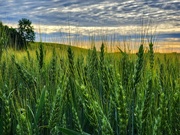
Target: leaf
71,132
1,126
41,104
123,53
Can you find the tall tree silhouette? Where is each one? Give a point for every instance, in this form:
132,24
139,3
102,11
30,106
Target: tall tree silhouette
26,30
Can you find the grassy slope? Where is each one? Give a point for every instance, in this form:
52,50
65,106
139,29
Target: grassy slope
65,47
61,47
61,50
82,51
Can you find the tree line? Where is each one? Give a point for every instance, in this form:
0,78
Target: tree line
17,38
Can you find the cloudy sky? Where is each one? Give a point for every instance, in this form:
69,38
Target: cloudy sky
56,18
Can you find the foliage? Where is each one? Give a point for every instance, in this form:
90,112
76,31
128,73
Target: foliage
26,30
9,37
63,90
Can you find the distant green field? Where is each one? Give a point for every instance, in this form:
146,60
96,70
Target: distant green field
57,89
61,47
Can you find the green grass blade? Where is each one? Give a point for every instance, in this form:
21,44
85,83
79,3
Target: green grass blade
41,104
71,132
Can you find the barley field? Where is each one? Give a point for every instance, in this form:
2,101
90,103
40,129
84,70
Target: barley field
59,90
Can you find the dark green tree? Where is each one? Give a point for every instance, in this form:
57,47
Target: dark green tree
10,37
26,30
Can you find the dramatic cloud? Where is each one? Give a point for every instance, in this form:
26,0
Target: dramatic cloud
94,16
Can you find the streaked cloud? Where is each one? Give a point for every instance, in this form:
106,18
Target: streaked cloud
94,16
91,13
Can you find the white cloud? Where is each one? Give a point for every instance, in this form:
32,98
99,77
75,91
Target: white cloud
126,30
94,16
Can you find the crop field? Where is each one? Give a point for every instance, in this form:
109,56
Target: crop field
58,90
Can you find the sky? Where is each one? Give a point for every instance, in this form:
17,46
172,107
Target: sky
57,20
